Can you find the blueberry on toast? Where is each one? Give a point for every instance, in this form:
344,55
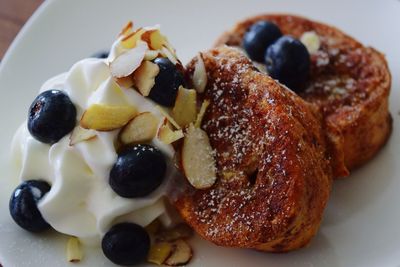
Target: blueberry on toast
348,82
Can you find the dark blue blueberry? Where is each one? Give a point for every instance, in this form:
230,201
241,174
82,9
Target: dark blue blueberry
23,205
126,244
52,115
139,170
101,54
288,61
167,83
258,37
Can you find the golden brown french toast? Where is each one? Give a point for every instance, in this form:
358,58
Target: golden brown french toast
273,176
349,83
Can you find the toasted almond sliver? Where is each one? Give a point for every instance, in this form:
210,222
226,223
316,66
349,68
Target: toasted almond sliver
198,161
201,113
167,135
154,38
106,117
199,75
131,39
184,111
159,252
126,29
154,227
126,63
170,48
165,52
74,250
80,134
151,54
311,41
144,77
181,255
165,113
126,82
140,129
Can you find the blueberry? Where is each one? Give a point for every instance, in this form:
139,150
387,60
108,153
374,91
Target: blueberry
23,205
288,61
167,83
257,39
139,170
101,54
126,244
52,115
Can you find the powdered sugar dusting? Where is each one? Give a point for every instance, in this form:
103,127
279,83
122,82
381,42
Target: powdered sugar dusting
241,136
257,129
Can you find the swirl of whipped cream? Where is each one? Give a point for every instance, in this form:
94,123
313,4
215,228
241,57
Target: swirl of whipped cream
81,203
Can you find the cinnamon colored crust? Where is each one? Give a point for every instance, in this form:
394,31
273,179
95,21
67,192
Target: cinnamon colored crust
273,177
349,84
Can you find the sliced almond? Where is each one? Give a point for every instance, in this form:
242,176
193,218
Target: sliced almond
181,254
150,55
154,227
181,231
74,251
198,161
166,53
165,113
80,134
167,135
168,45
107,118
144,77
201,113
146,36
184,111
126,63
154,38
126,30
311,41
159,252
126,82
157,40
199,75
131,39
140,129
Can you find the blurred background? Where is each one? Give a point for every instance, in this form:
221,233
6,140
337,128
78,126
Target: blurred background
13,15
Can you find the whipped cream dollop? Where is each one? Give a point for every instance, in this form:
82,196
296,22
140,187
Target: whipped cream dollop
81,202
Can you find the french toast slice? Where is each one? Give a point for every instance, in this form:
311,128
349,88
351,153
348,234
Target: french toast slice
273,175
349,83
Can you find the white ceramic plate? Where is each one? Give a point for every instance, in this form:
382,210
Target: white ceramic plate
361,223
